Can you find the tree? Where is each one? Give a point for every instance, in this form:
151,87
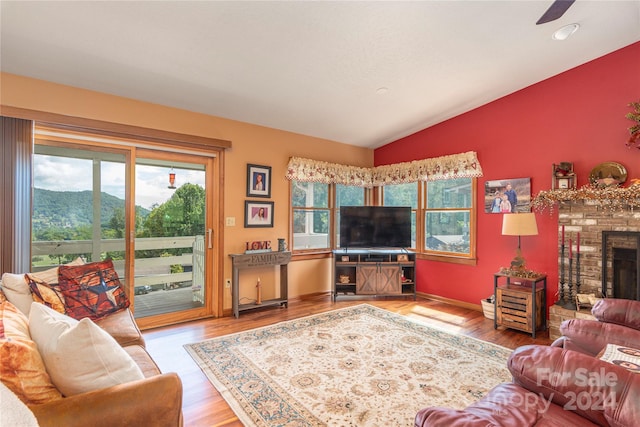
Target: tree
116,225
182,215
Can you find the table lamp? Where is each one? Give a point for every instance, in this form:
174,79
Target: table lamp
519,224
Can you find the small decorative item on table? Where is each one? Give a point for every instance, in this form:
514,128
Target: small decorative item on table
259,293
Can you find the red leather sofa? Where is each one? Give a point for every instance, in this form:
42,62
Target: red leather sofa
564,384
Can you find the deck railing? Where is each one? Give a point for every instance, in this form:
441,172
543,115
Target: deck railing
153,272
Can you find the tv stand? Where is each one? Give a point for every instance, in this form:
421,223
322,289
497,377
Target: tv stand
374,272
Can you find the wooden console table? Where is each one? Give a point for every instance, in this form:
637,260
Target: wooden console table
262,259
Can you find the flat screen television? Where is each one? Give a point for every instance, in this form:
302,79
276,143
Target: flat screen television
375,227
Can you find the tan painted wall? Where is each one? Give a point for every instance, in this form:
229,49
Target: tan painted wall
250,144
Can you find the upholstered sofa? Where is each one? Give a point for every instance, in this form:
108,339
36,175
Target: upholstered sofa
141,396
565,384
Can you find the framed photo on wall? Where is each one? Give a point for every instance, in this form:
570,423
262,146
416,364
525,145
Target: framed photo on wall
258,181
507,195
258,214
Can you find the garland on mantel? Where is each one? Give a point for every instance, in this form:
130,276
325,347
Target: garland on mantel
611,198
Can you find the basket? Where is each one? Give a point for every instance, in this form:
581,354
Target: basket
488,308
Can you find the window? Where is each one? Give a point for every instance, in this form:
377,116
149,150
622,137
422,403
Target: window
443,208
403,195
311,215
315,206
347,195
449,217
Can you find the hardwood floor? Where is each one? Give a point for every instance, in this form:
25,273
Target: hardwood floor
203,405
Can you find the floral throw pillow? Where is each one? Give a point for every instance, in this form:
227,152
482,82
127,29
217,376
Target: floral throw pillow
92,290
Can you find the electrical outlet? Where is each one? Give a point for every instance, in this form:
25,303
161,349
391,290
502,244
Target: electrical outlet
227,283
230,221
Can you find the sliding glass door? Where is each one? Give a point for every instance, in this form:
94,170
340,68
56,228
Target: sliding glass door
150,211
172,234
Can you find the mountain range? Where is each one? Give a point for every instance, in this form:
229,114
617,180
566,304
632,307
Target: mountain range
70,209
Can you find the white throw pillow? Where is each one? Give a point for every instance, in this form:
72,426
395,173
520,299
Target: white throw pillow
79,355
17,291
16,286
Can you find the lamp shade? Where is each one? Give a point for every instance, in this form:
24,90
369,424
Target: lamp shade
519,224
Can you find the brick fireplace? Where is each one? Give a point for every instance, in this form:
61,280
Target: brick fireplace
609,246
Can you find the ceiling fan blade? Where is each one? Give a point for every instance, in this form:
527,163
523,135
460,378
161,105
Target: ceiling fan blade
555,11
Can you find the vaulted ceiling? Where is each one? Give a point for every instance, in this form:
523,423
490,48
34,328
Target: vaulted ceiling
363,73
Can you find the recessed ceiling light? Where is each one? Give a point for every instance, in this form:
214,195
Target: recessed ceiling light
565,32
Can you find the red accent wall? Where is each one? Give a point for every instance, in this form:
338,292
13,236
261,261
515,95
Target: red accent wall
577,116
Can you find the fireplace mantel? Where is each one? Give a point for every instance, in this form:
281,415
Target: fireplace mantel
610,198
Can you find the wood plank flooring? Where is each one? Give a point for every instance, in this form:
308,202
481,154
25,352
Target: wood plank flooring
203,405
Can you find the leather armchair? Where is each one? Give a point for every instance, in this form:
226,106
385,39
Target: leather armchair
617,322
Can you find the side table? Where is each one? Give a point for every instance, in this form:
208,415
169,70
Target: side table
520,302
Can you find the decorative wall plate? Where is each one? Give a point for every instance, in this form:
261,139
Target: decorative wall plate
608,174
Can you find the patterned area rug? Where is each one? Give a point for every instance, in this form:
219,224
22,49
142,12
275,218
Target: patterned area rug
358,366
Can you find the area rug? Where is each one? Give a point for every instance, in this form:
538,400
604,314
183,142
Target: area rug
357,366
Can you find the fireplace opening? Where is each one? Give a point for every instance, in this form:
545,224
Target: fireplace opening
625,273
621,253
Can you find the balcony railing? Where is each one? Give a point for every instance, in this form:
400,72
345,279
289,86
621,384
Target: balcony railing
149,273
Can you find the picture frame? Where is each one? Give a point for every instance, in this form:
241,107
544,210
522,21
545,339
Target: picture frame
518,189
403,257
258,181
258,214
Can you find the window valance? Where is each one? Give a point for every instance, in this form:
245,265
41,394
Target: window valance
463,165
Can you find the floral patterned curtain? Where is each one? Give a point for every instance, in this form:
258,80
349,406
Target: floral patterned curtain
308,170
463,165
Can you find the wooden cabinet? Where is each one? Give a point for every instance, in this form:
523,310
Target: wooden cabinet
378,273
378,279
520,303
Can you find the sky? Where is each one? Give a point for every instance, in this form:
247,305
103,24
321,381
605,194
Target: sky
71,174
